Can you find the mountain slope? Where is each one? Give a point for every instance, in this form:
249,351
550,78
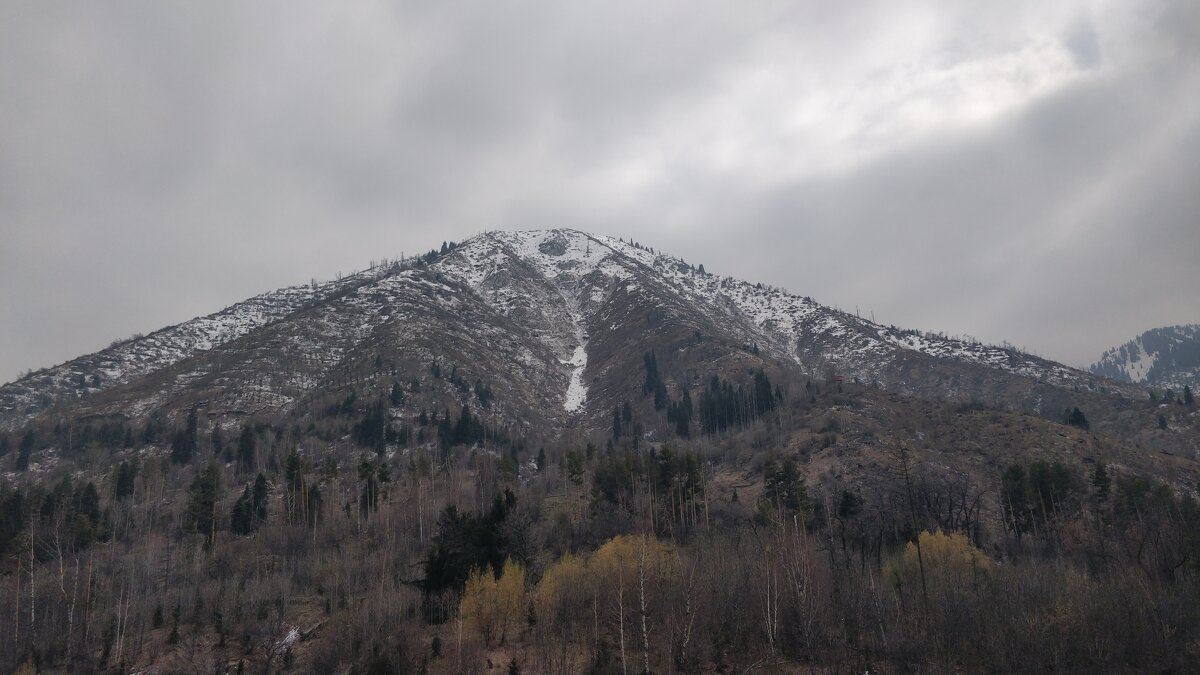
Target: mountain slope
574,311
1167,357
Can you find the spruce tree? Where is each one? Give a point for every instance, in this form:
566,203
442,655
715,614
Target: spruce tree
203,495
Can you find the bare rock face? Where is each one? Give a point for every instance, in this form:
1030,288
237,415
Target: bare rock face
554,245
553,323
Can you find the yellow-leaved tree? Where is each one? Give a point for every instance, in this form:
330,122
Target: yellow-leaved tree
943,578
948,559
629,572
565,592
491,606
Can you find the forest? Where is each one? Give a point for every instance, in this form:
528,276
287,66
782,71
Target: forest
687,538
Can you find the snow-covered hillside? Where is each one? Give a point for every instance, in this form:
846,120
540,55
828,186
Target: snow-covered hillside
533,304
129,359
584,267
1167,357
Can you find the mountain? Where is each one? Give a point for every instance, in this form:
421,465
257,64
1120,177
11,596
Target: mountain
1164,358
576,311
556,452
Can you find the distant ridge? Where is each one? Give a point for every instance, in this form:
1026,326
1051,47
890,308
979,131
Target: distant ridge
1167,358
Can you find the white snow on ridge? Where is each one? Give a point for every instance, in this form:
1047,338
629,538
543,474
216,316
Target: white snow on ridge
583,271
775,320
134,358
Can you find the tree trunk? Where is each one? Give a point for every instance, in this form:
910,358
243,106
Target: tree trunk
642,602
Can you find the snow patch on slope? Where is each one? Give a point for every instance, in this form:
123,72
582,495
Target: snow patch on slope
577,390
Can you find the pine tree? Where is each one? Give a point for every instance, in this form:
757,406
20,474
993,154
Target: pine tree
1188,399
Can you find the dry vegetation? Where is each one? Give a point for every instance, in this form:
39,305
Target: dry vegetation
845,530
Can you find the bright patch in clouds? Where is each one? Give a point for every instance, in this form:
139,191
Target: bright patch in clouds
787,112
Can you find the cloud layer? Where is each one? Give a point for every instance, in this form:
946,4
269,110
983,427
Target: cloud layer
1015,173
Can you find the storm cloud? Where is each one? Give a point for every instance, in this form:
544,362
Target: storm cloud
1009,171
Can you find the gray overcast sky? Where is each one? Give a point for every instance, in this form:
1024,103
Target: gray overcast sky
1010,171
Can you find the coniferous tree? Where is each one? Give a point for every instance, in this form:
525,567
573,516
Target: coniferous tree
463,430
302,498
1188,398
241,519
784,488
371,431
218,441
1014,500
369,474
683,415
259,498
1076,418
183,445
203,495
14,516
25,450
123,482
247,448
1100,481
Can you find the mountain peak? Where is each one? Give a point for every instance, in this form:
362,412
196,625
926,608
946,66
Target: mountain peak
574,309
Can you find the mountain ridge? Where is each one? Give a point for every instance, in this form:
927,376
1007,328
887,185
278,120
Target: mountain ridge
1166,357
558,283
